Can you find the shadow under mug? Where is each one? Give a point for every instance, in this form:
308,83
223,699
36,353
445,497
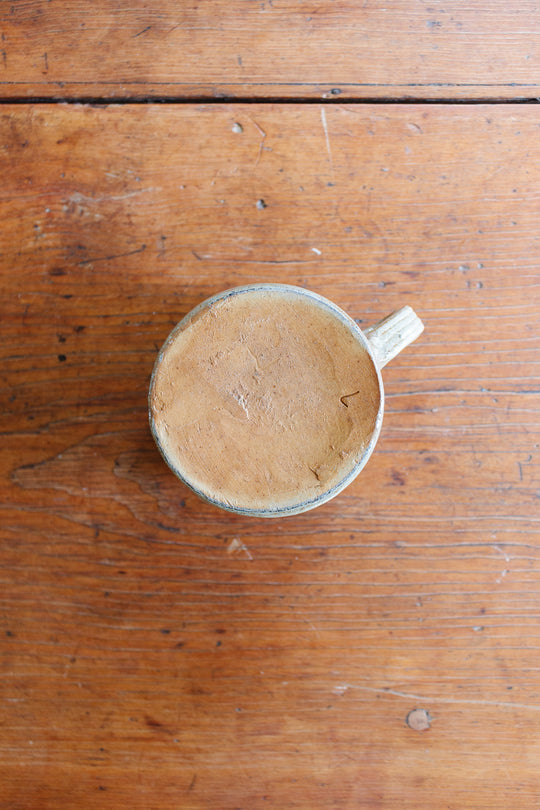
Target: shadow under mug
202,386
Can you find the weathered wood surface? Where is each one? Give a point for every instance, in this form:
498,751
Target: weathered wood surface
147,660
270,49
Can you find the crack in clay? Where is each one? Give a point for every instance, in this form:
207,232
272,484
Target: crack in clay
347,396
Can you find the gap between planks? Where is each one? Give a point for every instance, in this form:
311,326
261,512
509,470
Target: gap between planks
100,101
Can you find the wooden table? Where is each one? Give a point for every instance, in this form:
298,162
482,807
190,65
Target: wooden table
381,651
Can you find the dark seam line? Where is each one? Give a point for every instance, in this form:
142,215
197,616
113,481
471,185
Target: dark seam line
99,101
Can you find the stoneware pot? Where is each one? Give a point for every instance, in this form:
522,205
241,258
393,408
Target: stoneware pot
267,400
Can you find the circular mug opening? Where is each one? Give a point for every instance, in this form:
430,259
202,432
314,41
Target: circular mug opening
265,400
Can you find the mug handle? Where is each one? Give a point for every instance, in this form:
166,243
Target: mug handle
389,336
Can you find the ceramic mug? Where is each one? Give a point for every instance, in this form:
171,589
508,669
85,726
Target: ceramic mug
267,400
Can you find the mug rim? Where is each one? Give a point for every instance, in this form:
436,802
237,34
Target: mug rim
354,329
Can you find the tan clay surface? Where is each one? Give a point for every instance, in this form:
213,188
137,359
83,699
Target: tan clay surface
265,399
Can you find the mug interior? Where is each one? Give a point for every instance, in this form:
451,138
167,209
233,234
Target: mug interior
265,400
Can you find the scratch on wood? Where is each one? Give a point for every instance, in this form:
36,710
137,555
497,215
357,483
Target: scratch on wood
111,257
504,554
502,704
262,133
238,545
79,198
327,137
148,27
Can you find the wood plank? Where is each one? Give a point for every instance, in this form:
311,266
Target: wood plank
145,663
270,49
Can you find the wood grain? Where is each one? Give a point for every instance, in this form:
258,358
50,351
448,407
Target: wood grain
148,661
270,49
